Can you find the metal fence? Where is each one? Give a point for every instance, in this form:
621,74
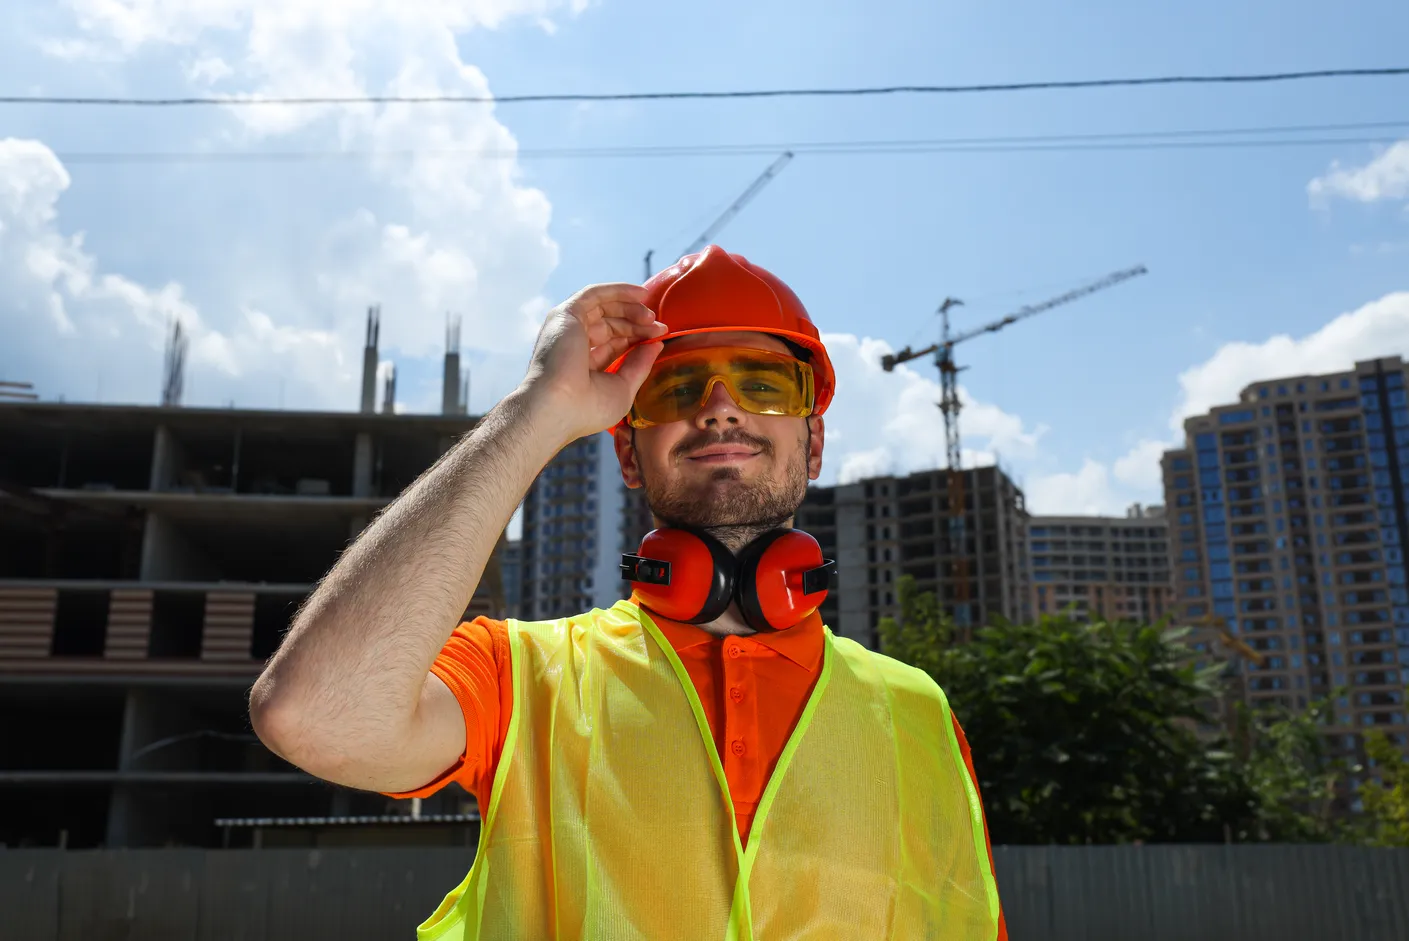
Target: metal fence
1099,893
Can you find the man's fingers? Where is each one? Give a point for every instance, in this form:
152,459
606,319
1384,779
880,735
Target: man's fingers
603,330
604,355
638,365
626,301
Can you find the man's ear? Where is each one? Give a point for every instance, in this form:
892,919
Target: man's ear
624,441
816,437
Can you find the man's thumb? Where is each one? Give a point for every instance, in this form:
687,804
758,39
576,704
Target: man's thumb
637,365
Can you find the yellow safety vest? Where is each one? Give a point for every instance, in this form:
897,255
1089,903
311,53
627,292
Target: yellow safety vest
610,816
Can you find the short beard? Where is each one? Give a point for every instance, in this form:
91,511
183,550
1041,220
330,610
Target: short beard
741,514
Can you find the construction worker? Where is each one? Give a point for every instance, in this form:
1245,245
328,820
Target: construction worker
705,760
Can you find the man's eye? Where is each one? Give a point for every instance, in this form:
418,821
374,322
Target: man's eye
685,391
759,387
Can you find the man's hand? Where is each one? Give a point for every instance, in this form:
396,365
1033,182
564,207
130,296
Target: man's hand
349,696
580,338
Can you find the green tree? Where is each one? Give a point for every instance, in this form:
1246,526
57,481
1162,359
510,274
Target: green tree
1293,777
1386,801
1082,732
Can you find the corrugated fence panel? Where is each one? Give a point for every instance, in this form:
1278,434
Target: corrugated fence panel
29,894
1050,893
26,622
129,624
229,622
235,895
130,895
1023,882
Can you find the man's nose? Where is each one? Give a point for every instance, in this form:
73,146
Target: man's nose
719,409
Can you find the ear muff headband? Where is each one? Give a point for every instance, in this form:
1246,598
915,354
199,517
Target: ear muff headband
688,575
685,575
772,571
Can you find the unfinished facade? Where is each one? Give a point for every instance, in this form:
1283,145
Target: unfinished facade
885,527
150,561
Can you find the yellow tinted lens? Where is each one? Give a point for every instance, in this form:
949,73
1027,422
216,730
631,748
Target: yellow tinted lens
759,381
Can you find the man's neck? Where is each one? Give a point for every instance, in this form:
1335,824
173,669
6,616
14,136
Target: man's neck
729,624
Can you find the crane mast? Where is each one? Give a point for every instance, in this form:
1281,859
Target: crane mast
950,405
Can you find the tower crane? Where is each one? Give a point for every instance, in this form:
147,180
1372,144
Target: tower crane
728,215
949,405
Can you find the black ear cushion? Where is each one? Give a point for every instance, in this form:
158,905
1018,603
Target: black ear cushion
721,591
746,578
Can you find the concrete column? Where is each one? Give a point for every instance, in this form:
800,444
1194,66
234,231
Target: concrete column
167,556
137,817
362,465
167,458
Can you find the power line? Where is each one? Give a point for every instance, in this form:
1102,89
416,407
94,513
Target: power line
1203,138
1233,79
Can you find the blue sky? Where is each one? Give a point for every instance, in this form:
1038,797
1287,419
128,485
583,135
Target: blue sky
1262,261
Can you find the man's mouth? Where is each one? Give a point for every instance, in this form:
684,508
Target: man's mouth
723,454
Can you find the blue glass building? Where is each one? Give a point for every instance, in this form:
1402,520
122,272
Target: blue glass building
1287,523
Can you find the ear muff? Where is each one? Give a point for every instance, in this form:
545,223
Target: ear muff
782,578
683,574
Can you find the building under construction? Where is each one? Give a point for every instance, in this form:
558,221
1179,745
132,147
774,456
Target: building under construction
151,558
884,527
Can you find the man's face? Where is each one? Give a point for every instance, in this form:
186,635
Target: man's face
725,470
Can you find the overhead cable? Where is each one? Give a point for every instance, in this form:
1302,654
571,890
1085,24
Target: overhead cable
987,87
1200,138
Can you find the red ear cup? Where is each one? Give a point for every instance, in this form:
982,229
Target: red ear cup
698,578
782,579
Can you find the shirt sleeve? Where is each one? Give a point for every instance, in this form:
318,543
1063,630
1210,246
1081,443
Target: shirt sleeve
476,665
969,763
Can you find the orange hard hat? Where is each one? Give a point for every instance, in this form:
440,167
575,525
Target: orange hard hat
713,291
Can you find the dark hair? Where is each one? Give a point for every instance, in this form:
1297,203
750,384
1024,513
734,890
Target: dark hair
798,350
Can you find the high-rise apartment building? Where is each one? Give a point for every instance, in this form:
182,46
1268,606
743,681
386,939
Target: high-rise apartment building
636,518
572,533
886,527
512,568
1106,567
1287,514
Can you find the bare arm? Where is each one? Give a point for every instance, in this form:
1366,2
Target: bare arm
349,696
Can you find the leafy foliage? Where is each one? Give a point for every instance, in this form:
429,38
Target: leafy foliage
1386,800
1100,733
1284,758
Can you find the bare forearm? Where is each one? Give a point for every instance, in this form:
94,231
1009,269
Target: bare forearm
354,665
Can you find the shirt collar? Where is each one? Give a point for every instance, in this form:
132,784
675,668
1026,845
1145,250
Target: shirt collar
801,643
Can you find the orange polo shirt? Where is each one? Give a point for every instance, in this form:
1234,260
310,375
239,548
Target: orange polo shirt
753,690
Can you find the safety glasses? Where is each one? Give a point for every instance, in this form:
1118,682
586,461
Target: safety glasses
759,381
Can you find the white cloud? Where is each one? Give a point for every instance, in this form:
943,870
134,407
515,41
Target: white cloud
1385,177
1087,492
891,423
57,299
422,235
207,70
1379,328
1139,467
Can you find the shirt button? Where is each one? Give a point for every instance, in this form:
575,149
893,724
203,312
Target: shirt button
734,650
737,748
736,694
